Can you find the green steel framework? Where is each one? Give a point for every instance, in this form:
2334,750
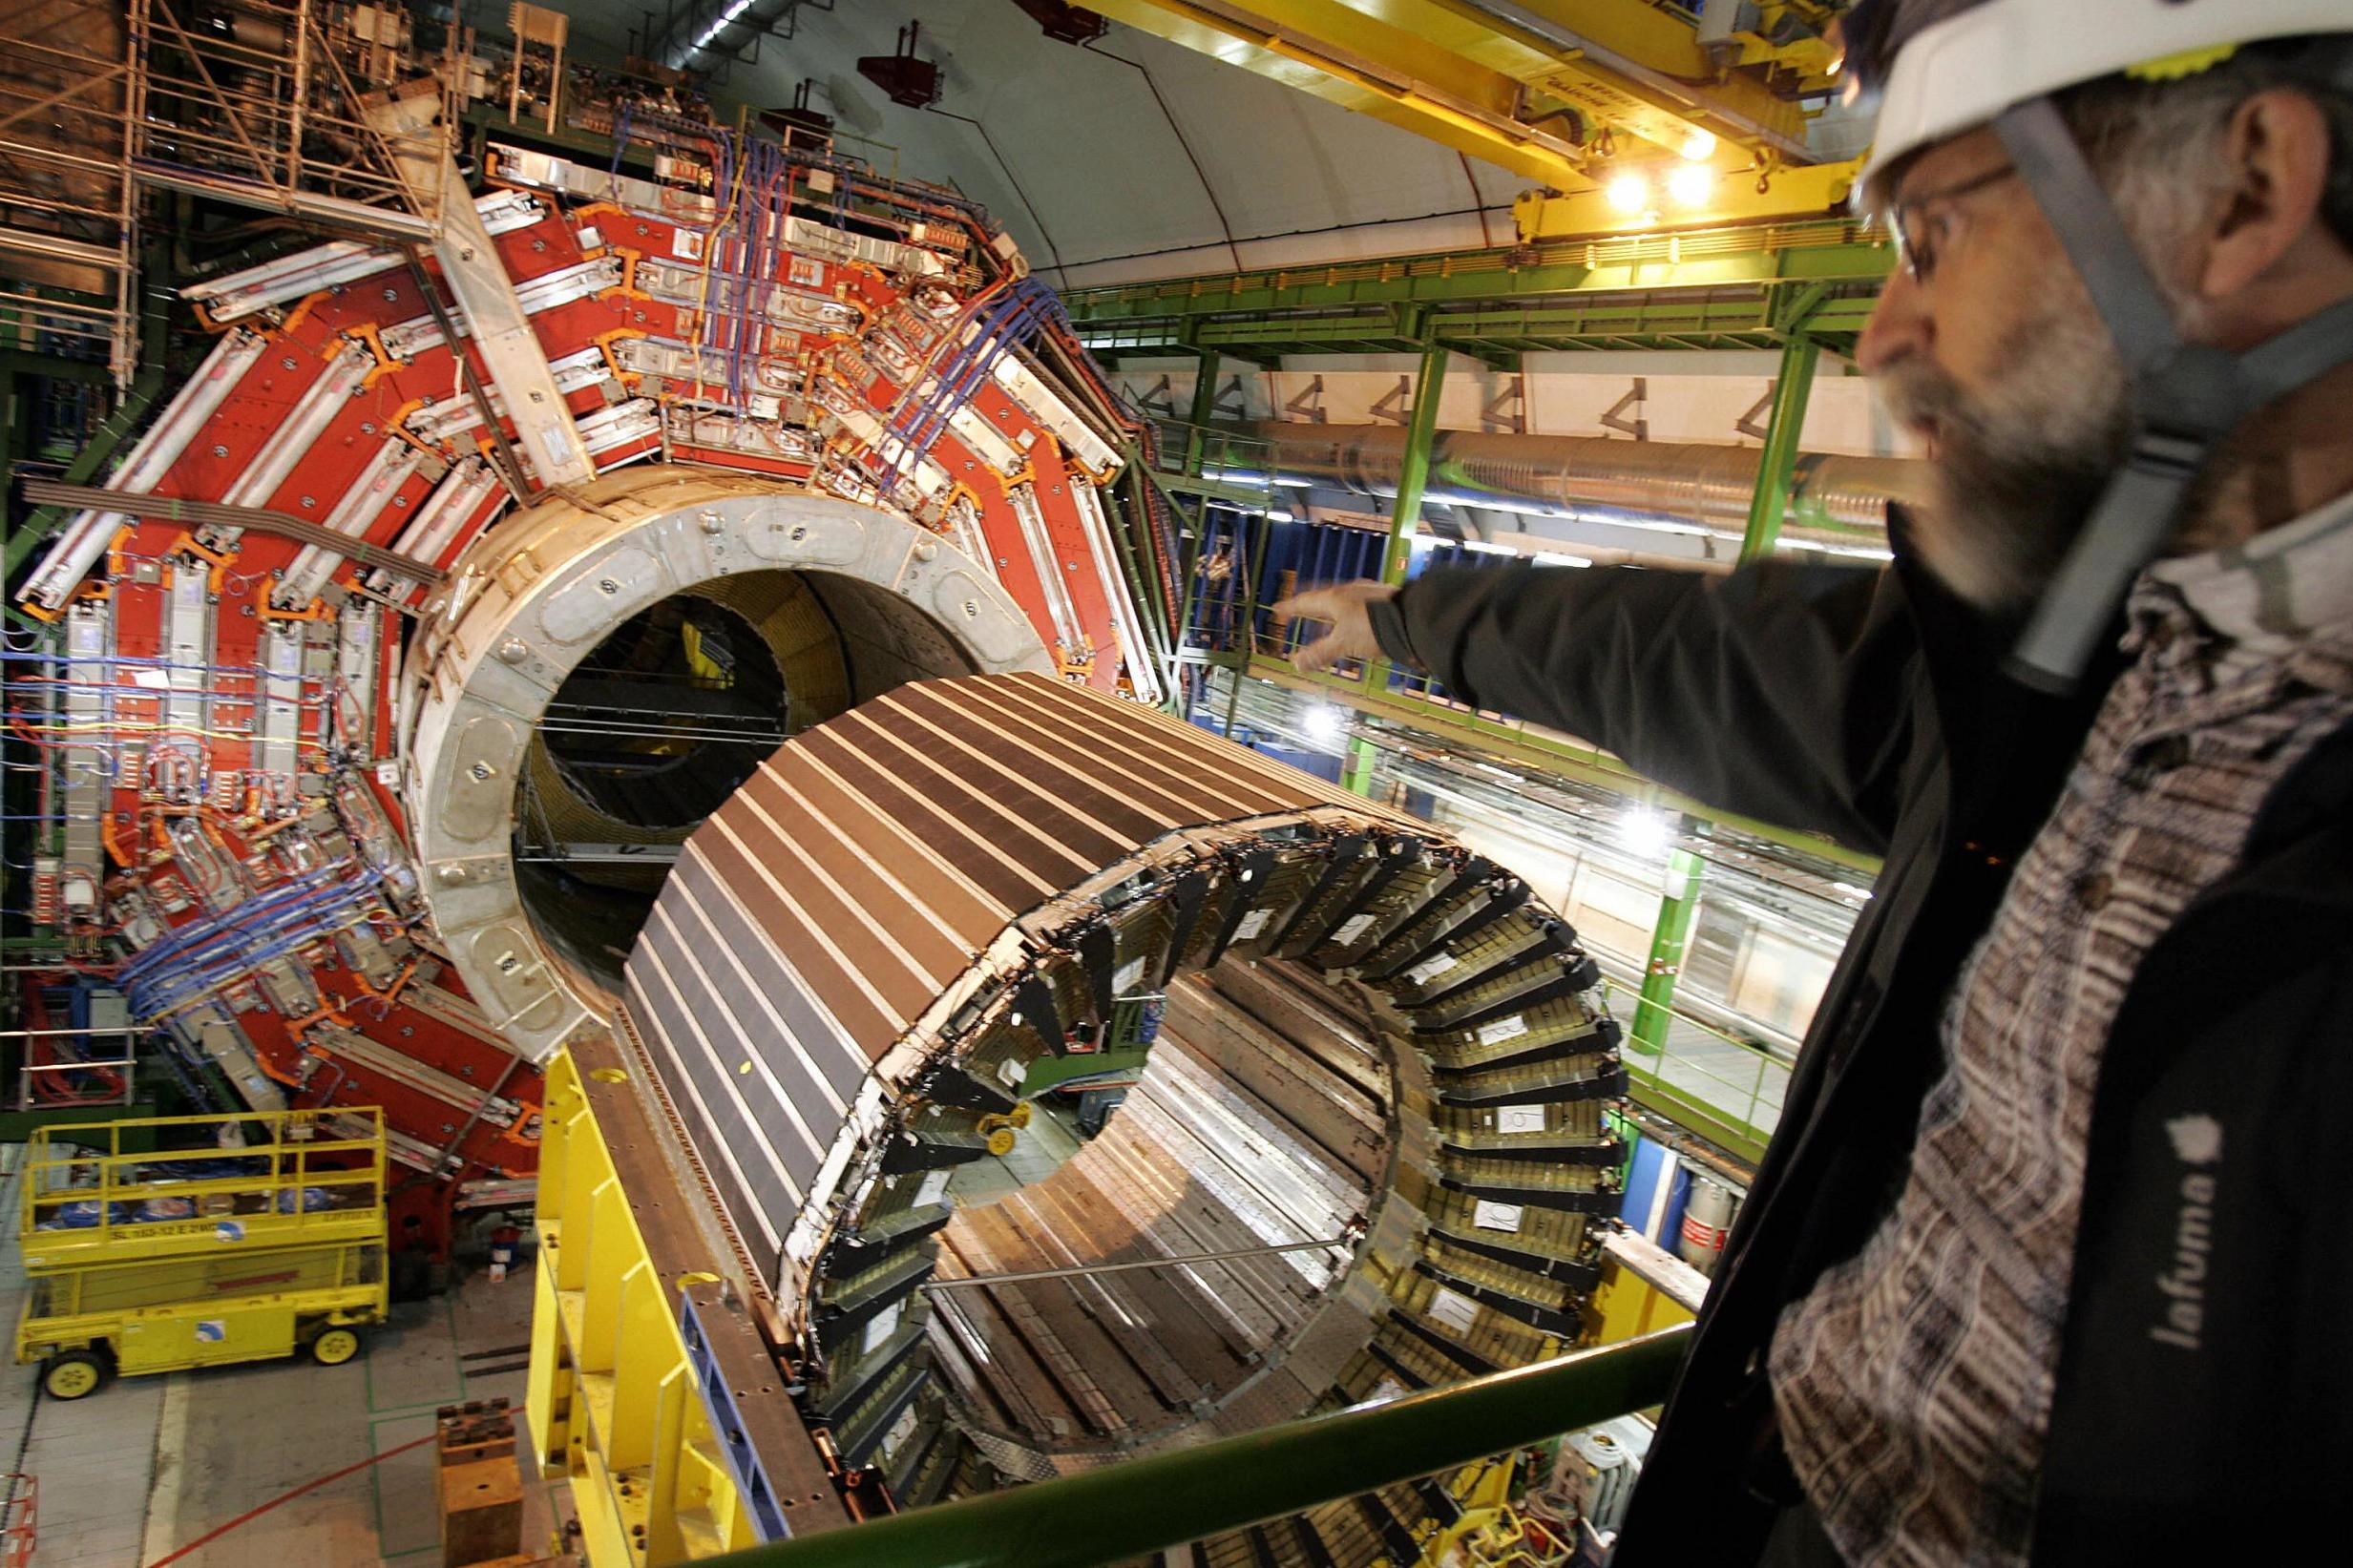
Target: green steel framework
1735,289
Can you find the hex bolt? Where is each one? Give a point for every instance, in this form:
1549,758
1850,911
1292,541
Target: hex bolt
607,587
514,650
481,771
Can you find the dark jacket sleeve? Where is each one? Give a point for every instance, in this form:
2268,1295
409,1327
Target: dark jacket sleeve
1785,693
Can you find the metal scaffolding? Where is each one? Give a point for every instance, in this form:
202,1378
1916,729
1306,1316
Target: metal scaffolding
68,211
258,104
264,109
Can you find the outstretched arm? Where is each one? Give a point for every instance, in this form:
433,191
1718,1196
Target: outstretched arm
1779,692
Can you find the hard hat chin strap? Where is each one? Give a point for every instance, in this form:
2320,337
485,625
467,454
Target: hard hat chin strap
2187,398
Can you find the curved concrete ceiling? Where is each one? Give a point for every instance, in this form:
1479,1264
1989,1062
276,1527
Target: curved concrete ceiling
1129,159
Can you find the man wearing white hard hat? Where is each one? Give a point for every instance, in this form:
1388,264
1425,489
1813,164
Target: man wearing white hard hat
2043,1264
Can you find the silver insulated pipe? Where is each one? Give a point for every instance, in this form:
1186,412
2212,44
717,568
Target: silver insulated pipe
1833,500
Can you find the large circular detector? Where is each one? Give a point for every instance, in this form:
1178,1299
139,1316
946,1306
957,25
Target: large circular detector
669,620
1363,1142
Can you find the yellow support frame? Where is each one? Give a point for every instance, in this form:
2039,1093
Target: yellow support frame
611,1397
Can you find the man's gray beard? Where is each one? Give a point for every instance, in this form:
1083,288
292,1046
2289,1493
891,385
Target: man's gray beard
2019,466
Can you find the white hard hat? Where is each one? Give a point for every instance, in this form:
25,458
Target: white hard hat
2003,64
1959,73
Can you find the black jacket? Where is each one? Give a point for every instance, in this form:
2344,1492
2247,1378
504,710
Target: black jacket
1868,706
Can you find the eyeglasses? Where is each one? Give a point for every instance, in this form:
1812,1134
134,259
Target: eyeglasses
1926,224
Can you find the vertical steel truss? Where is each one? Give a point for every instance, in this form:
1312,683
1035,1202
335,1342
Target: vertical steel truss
69,219
265,112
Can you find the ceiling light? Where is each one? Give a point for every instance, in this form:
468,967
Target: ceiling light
1629,193
1645,831
1323,724
726,18
1691,184
1697,145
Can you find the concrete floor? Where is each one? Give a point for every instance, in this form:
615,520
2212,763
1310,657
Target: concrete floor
146,1465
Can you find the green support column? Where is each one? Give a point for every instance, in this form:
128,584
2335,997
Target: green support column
1205,405
1357,773
1413,473
1414,468
1648,1032
1778,462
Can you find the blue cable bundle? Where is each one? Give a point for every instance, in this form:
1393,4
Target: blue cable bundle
195,959
1013,322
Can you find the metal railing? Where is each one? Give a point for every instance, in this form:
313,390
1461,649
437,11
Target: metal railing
1132,1510
1735,1086
103,1080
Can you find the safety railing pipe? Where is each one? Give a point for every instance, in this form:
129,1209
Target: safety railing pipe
1131,1510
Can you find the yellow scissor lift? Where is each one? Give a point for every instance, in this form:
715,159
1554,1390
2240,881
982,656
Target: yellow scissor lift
264,1238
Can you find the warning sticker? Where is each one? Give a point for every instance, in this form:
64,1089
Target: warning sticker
882,1327
1493,1216
212,1330
1351,928
807,272
1454,1310
1430,969
1502,1030
1520,1119
1252,924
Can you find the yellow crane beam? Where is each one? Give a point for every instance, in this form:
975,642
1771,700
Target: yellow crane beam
1637,68
1719,198
1335,52
1501,79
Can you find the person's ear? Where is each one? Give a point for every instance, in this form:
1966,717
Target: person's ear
2275,163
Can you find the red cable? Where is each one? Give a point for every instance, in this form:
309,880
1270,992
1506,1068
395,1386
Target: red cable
253,1514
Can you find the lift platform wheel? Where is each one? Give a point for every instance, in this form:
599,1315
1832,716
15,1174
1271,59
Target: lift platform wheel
73,1375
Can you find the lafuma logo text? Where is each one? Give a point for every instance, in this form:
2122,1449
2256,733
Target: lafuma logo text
2198,1142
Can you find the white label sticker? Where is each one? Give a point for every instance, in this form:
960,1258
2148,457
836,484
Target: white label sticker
1430,969
1127,977
1252,924
1454,1310
1520,1119
900,1431
883,1324
155,680
1012,1069
686,244
1386,1390
1493,1216
590,239
1502,1030
1351,928
933,1190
